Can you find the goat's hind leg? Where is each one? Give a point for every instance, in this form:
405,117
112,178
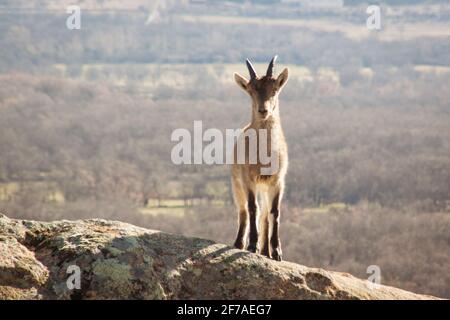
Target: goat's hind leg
275,195
264,226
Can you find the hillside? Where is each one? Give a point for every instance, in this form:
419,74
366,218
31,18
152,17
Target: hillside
121,261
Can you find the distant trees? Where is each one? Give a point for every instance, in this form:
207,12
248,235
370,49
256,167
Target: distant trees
123,38
362,142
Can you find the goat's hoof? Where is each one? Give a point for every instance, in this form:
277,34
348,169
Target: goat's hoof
276,255
239,245
265,253
252,248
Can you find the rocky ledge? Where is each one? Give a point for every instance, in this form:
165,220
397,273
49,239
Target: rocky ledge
114,260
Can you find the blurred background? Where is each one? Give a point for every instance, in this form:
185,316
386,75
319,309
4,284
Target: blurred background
86,118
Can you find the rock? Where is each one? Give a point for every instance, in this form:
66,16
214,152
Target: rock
120,261
18,265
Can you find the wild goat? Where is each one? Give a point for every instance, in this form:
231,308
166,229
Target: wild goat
248,181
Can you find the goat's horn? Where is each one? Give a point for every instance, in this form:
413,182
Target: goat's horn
271,66
251,70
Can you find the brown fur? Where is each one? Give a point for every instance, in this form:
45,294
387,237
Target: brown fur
247,180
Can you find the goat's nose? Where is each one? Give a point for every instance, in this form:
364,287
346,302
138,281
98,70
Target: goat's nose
263,112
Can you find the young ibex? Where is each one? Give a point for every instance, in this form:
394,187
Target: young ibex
248,181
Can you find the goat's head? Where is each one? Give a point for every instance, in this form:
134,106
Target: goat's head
264,90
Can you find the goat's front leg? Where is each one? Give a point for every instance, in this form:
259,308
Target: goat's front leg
264,227
240,198
239,243
275,195
253,213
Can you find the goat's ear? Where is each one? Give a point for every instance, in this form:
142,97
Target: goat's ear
282,78
241,81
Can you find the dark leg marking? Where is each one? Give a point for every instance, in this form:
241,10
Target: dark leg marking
275,239
239,243
253,243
